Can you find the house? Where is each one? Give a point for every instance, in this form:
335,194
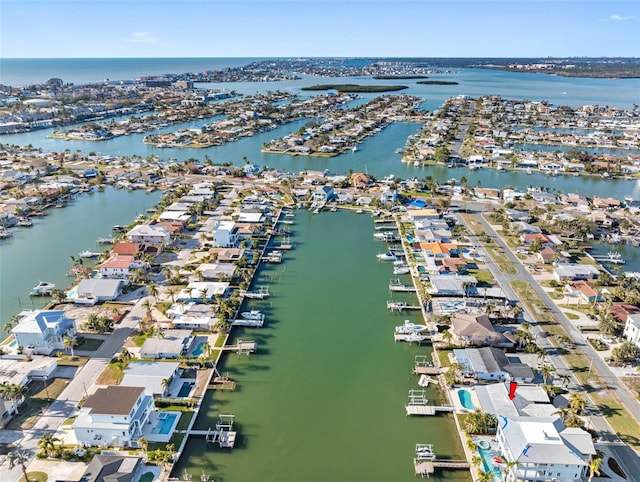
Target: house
150,234
322,195
191,316
542,448
118,267
584,290
217,271
546,255
572,272
43,331
632,329
451,285
95,290
126,249
113,416
360,180
227,255
388,196
475,330
543,239
152,376
530,400
491,363
113,468
172,344
225,234
203,291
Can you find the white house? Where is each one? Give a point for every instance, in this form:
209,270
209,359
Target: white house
197,290
632,329
94,290
490,363
113,416
150,234
151,376
43,331
543,449
323,194
172,344
572,272
225,234
118,266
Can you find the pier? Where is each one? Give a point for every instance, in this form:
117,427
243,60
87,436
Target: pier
423,366
400,306
611,257
260,294
418,405
222,383
223,435
241,347
396,285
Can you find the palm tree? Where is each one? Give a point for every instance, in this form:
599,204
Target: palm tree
546,371
594,466
447,336
125,355
69,342
166,383
171,291
48,443
152,289
19,457
577,402
144,444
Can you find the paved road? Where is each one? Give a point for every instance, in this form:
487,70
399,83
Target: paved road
628,459
66,404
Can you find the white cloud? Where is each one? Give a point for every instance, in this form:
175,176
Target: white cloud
142,38
618,18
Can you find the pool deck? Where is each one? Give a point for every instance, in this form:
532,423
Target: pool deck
455,399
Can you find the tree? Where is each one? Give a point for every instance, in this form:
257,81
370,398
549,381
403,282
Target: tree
626,352
19,457
48,443
152,289
69,342
594,466
13,392
171,291
166,383
577,402
447,336
546,371
125,355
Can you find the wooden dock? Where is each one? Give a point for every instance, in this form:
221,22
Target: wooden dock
420,410
396,285
426,468
426,370
423,468
222,383
400,306
242,347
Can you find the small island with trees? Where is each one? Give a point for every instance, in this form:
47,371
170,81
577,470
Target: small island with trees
437,82
356,88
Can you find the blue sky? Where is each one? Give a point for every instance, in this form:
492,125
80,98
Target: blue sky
268,28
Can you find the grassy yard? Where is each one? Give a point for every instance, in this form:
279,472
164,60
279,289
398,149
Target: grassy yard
112,374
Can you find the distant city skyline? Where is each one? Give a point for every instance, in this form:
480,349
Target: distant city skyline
319,28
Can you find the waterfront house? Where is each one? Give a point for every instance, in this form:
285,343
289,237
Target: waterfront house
113,416
529,400
217,271
388,196
203,291
171,345
489,363
227,255
475,330
225,234
151,376
573,272
43,331
322,195
632,329
113,468
545,240
150,234
191,316
451,285
126,249
118,267
542,448
95,290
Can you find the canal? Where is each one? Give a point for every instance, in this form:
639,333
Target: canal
323,399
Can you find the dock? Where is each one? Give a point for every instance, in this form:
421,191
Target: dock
259,294
245,322
223,435
400,306
396,285
410,337
423,468
273,257
242,347
423,366
222,383
417,405
611,257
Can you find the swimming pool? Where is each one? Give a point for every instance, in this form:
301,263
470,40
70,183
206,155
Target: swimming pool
488,465
465,399
185,389
197,350
165,423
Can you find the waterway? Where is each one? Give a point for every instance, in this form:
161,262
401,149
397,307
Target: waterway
41,252
323,399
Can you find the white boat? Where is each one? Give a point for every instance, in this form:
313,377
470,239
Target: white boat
88,254
5,233
528,172
354,148
387,256
401,269
359,211
408,327
252,315
25,222
243,322
415,337
42,289
424,380
425,453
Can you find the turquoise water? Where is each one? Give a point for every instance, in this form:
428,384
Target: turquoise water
488,465
465,399
185,389
166,424
197,350
323,399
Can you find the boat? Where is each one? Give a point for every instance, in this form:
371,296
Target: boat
119,229
252,315
359,211
43,288
408,327
425,380
5,233
260,294
25,222
425,453
528,172
401,269
388,256
388,237
415,337
354,148
105,241
88,254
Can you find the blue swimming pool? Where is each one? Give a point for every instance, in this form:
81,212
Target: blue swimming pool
165,422
197,350
185,389
465,399
488,465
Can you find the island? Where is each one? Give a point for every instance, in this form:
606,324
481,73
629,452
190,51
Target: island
437,82
356,87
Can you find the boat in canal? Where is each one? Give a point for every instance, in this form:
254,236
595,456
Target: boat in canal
388,256
252,315
409,327
43,288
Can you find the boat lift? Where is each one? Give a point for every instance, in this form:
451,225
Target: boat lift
223,435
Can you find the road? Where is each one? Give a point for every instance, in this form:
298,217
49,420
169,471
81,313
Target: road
628,459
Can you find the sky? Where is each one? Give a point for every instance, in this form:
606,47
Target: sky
318,28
